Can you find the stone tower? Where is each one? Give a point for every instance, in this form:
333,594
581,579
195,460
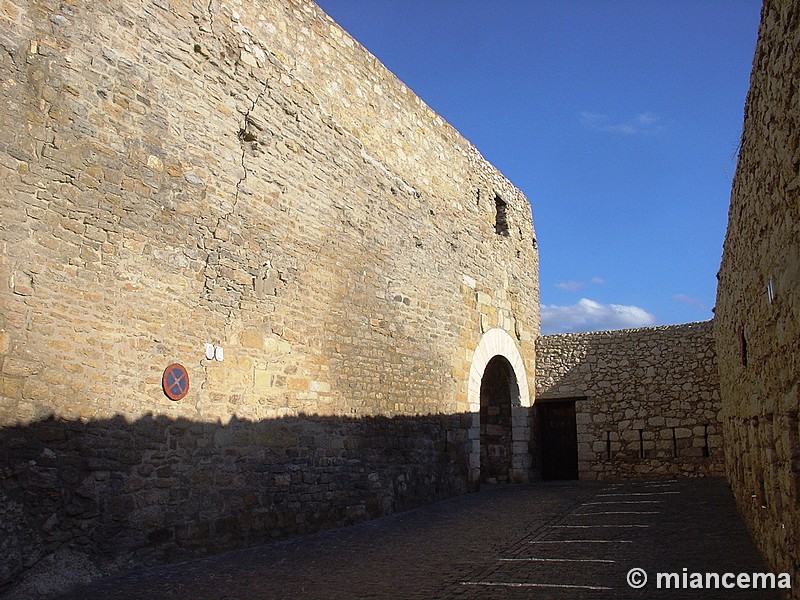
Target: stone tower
241,190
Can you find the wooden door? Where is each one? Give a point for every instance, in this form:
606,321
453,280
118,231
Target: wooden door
559,440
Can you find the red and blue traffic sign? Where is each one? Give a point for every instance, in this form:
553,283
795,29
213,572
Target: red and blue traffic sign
175,381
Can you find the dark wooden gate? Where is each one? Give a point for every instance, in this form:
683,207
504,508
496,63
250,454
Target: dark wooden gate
558,439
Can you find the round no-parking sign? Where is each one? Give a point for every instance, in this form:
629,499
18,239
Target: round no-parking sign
175,381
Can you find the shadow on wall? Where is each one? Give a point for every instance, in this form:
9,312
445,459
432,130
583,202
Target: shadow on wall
81,499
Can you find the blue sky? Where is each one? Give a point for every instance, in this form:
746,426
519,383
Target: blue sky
619,119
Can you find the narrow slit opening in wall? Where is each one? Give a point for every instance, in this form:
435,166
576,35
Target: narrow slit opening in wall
706,452
742,346
608,445
641,443
500,216
674,444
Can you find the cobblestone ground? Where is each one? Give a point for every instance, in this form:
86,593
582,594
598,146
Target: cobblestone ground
565,540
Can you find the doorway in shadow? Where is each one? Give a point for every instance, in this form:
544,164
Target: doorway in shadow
558,439
499,391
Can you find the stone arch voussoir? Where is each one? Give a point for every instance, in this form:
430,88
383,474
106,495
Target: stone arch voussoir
496,342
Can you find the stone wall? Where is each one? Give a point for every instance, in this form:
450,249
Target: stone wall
757,323
244,175
647,400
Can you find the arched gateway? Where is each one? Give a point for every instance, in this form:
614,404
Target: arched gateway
499,401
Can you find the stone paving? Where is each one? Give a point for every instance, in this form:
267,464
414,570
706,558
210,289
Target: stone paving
559,540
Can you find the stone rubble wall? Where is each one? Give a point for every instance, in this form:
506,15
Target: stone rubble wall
241,174
757,322
660,381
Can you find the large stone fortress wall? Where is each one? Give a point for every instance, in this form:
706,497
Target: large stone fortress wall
646,400
757,323
241,174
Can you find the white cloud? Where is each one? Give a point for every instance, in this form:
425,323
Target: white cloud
696,302
588,315
645,119
570,286
573,286
645,122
